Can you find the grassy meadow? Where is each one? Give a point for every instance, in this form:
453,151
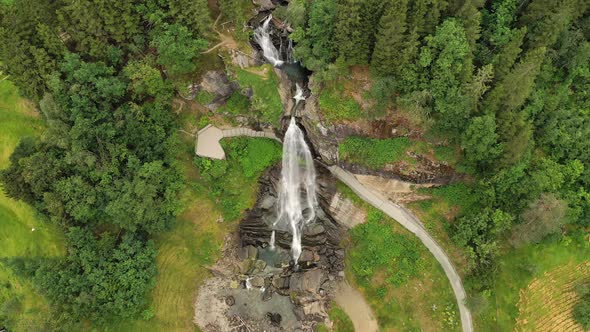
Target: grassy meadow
20,305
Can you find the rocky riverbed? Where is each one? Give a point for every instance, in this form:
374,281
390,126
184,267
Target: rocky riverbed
259,288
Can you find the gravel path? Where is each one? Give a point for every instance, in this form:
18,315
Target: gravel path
410,222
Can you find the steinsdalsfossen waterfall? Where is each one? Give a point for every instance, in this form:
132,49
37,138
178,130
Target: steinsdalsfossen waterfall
297,193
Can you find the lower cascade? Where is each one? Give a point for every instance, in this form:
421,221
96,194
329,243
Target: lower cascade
297,193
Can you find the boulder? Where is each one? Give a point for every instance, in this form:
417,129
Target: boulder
217,83
246,266
257,281
251,252
308,281
263,5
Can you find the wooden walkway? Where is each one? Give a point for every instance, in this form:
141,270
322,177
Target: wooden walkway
208,139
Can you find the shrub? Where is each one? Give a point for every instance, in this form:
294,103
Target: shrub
371,152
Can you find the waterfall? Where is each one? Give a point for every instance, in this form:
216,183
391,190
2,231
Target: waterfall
262,37
298,94
297,192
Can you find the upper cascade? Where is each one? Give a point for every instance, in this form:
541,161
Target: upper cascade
262,37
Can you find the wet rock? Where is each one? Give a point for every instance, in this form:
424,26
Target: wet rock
230,300
267,202
280,282
267,294
306,256
252,252
275,318
257,282
259,265
245,266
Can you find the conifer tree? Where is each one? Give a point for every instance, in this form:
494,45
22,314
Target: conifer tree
505,59
387,56
353,44
546,19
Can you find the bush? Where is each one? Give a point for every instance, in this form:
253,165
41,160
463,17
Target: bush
371,152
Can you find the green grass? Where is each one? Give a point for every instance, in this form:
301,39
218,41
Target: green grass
17,219
517,268
340,320
236,104
403,283
336,106
371,152
204,98
266,101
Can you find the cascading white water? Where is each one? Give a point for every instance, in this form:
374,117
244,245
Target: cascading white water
297,192
298,94
262,37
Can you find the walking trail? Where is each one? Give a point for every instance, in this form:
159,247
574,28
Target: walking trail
208,146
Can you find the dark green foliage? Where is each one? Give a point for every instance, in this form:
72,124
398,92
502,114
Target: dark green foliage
177,48
480,141
101,278
373,153
29,45
236,104
377,248
447,61
581,311
95,26
546,19
316,44
391,40
230,182
478,232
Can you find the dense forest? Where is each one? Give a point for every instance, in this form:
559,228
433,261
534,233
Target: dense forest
103,75
508,81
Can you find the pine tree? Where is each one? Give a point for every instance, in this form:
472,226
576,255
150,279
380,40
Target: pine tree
516,86
391,40
194,14
353,44
96,25
471,18
504,60
425,15
546,19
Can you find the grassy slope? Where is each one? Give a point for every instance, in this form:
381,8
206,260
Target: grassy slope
422,303
517,268
18,119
